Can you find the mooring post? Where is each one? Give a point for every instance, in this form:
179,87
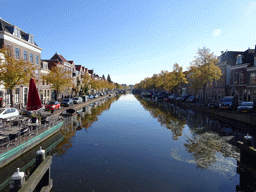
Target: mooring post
40,156
17,181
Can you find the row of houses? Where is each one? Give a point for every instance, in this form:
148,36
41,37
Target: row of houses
23,46
238,79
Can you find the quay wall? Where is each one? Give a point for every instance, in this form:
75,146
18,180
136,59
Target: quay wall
232,115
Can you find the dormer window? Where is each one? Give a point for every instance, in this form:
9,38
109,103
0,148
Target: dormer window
239,59
17,32
31,39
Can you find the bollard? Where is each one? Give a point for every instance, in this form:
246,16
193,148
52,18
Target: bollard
40,156
17,180
248,141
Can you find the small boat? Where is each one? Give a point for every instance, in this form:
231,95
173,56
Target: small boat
68,112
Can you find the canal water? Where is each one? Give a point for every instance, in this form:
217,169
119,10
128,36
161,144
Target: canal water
131,144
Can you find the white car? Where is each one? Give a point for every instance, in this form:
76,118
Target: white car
8,113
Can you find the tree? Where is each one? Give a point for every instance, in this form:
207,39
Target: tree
59,79
103,77
86,82
175,78
109,79
203,69
14,72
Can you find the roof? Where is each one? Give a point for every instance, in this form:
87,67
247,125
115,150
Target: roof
58,56
9,28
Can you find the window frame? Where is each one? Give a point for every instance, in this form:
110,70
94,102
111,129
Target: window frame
17,52
31,57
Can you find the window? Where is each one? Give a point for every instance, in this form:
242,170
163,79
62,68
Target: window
239,59
30,39
45,66
241,78
236,78
17,32
36,73
37,59
17,91
254,61
25,55
9,47
253,79
31,58
17,53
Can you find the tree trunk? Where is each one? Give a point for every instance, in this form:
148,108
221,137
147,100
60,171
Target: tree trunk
11,97
204,87
56,94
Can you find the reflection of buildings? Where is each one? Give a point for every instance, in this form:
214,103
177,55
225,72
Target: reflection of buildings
246,167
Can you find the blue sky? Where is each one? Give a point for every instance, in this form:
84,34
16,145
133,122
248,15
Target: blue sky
133,39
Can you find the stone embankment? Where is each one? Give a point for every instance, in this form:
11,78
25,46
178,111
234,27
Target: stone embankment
247,118
78,106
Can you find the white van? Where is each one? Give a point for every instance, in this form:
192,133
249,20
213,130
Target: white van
8,113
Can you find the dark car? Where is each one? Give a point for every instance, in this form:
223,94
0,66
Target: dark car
246,107
185,97
214,104
191,99
228,103
172,97
67,102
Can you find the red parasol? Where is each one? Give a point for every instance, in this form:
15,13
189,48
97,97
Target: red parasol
34,101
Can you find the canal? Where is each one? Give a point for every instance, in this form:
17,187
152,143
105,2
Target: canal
131,144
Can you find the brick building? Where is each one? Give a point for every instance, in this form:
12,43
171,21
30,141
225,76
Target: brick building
21,46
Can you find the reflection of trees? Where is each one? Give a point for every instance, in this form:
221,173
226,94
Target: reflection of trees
88,119
66,143
173,121
68,132
204,149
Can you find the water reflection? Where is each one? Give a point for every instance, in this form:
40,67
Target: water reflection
211,143
84,118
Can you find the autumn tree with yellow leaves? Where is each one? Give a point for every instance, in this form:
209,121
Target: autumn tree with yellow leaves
59,79
203,70
14,72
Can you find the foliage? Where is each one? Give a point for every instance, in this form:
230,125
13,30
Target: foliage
14,72
109,79
203,69
59,79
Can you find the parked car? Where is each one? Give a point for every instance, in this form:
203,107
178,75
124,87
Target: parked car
67,102
185,97
229,103
91,97
246,107
191,99
8,113
214,104
77,100
52,105
172,97
96,96
179,98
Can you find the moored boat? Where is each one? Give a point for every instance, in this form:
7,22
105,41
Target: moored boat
68,112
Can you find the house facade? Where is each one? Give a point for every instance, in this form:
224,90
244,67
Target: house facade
21,46
58,60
